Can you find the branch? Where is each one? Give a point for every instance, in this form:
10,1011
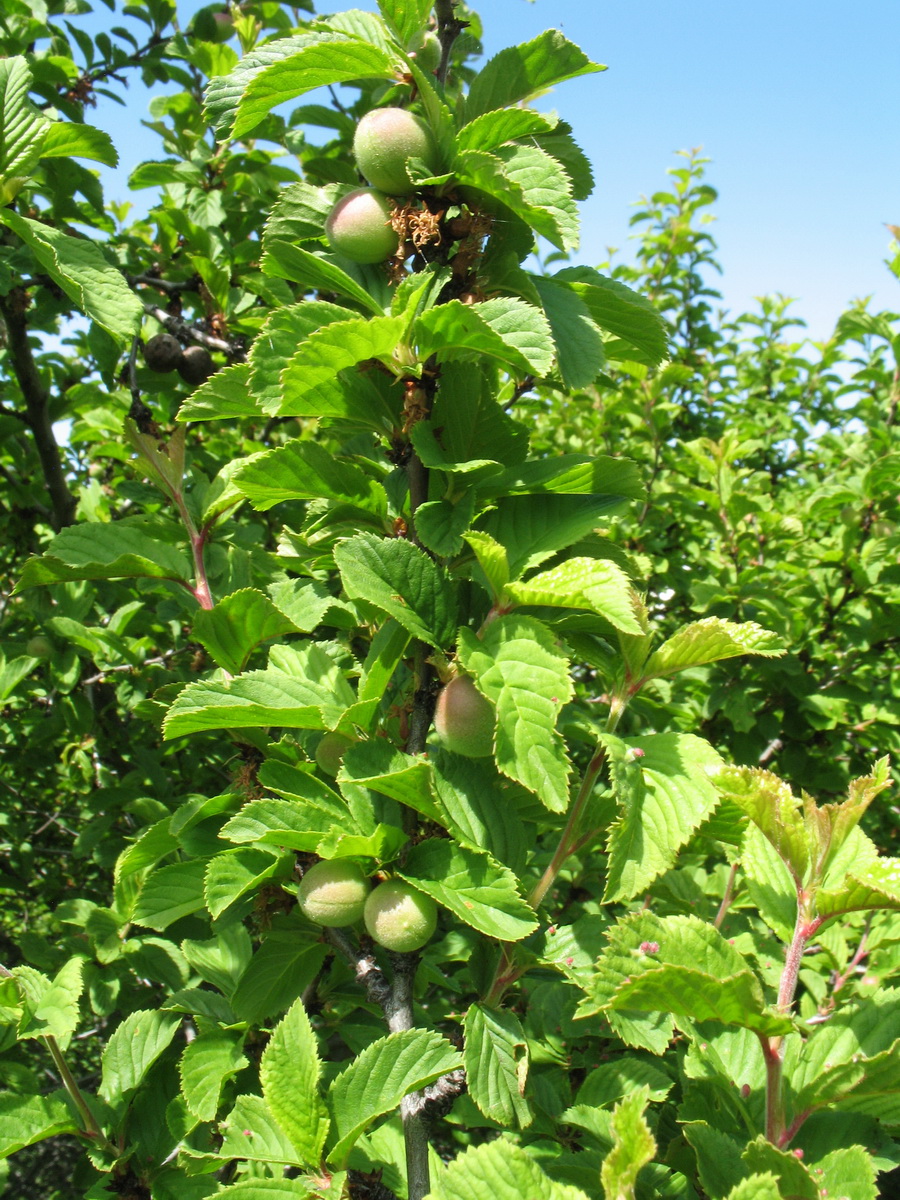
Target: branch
37,409
181,329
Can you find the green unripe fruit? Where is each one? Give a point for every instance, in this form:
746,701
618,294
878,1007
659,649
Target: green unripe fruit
385,139
359,227
196,365
163,353
425,48
330,752
333,893
464,719
398,917
39,646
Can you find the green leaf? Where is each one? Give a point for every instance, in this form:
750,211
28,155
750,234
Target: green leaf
520,72
23,129
406,778
237,872
171,893
315,270
580,355
614,1080
876,886
829,825
701,996
719,1162
711,640
591,583
277,975
519,669
616,308
794,1179
208,1061
301,470
288,67
493,129
251,1132
547,193
233,629
283,331
572,474
133,1049
120,550
848,1172
756,1187
25,1120
507,329
227,393
51,1007
769,884
282,823
492,559
268,1189
496,1058
310,384
771,805
664,787
469,418
478,890
220,960
498,1170
405,17
403,581
80,141
633,1147
479,807
290,1072
82,270
379,1078
440,524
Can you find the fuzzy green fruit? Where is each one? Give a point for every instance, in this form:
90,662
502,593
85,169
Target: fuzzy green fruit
333,893
330,752
464,719
39,646
385,140
398,917
359,227
425,48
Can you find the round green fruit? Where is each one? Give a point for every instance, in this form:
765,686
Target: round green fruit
425,48
196,365
359,227
398,917
39,646
163,353
333,893
330,752
464,719
385,140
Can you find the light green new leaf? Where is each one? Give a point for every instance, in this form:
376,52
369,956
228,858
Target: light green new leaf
301,470
220,960
401,579
848,1172
711,640
121,550
213,1057
633,1147
520,72
171,893
133,1049
756,1187
283,331
507,329
326,58
234,873
310,387
289,1071
84,273
378,1079
496,1058
621,311
492,559
794,1179
65,138
233,629
664,786
829,825
699,996
315,270
478,890
876,886
251,1132
498,1170
25,1120
23,128
571,474
493,129
771,805
227,393
591,583
50,1006
256,700
547,191
527,680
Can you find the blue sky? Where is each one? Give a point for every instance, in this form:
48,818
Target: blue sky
794,101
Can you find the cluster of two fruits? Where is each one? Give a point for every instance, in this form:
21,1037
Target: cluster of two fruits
164,353
336,894
360,225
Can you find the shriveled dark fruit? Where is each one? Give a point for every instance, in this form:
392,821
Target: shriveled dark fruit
330,752
196,365
163,353
359,227
399,917
464,719
333,893
385,140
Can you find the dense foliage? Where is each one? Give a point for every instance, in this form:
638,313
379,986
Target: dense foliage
444,688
